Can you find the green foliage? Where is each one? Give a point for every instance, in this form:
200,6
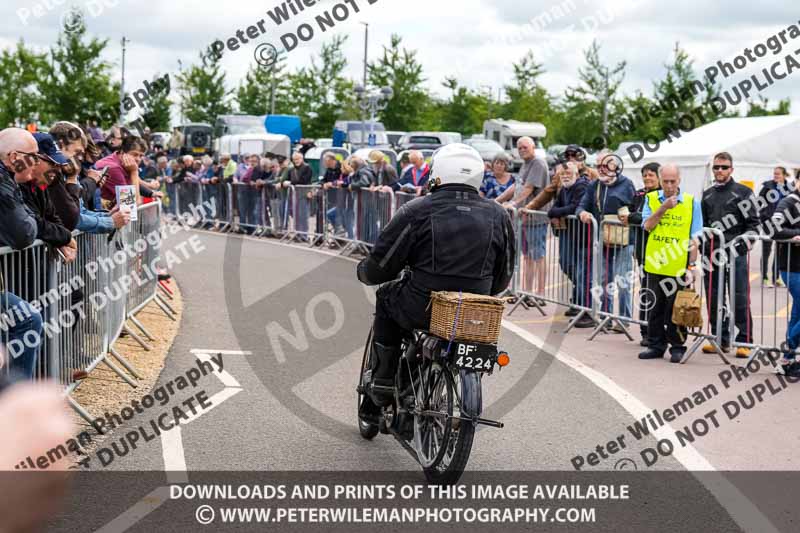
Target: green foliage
255,92
319,93
21,71
202,89
399,69
156,110
761,108
77,85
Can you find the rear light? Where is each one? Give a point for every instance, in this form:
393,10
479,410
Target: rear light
503,359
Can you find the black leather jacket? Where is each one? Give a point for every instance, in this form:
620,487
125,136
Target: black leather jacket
451,240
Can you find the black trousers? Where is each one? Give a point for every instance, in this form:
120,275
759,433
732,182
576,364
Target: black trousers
661,331
400,307
645,304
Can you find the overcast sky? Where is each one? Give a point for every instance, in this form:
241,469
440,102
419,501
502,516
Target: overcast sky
473,40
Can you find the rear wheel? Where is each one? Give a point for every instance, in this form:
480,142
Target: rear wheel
368,430
444,441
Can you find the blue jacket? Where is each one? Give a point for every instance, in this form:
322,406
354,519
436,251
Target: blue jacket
94,222
407,179
600,199
568,199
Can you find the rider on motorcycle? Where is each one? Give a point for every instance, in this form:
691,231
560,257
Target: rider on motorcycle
451,240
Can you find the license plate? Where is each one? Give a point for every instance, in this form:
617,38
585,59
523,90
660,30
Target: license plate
198,150
477,357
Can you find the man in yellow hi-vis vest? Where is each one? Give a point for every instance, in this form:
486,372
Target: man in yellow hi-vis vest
673,219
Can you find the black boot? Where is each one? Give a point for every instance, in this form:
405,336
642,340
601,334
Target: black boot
384,366
651,353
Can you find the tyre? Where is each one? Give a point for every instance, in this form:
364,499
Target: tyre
367,429
452,462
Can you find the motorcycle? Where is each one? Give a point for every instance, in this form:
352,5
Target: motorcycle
437,401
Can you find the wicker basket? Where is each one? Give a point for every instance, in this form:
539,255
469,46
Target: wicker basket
478,319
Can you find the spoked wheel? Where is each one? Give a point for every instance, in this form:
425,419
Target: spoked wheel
442,440
434,394
367,429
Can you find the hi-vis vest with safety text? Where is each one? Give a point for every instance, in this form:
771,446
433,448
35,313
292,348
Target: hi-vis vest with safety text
668,243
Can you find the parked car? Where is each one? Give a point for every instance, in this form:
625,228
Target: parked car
196,138
486,147
160,138
355,133
394,138
424,140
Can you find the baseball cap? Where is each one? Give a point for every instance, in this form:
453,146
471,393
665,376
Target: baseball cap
375,156
49,149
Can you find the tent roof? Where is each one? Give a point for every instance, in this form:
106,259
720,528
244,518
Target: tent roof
754,141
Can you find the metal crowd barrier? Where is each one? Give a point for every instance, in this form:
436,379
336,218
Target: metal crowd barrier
339,207
764,331
188,200
218,205
308,214
276,216
373,211
402,198
83,306
249,205
556,263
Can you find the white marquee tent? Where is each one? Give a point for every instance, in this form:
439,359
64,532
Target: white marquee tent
757,144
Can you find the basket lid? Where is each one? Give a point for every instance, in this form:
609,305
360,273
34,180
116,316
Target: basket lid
466,297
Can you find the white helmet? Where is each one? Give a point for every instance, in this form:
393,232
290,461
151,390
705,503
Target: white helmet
456,163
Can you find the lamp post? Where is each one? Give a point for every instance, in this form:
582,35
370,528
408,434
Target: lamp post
122,85
372,103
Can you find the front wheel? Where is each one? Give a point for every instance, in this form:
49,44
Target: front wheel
443,440
367,429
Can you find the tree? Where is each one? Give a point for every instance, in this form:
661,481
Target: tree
761,107
526,99
594,98
255,93
319,93
465,111
399,69
202,87
78,86
156,110
21,70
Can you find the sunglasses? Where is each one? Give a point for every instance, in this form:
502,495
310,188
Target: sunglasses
38,156
721,167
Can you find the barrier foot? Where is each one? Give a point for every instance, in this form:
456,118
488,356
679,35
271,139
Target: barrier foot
575,319
600,328
346,250
520,302
168,310
757,352
83,413
166,290
118,371
692,349
532,301
141,327
624,328
136,337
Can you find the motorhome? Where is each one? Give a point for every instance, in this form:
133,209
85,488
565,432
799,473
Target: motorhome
508,132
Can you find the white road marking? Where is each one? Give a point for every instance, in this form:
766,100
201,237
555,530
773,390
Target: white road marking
174,458
132,516
173,451
740,508
223,375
